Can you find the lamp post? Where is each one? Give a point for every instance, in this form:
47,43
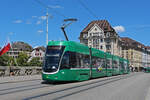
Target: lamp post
47,27
47,16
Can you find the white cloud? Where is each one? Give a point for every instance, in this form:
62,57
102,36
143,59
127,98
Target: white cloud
42,17
55,6
11,33
40,31
119,29
28,22
35,46
38,22
17,21
34,16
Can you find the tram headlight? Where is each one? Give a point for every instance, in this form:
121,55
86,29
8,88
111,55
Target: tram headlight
53,67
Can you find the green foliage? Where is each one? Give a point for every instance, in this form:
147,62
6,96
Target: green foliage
4,60
22,59
11,61
35,62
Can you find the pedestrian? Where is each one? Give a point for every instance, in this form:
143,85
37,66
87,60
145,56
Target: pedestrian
11,71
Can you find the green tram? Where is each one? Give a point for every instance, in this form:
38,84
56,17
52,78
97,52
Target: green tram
72,61
147,69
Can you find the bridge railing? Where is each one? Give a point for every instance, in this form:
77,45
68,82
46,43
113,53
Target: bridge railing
16,71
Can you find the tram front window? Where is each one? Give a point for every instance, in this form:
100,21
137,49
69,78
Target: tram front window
52,58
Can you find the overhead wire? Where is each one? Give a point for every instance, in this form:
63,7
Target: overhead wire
88,9
45,6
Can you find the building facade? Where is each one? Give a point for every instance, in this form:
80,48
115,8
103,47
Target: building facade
147,56
19,47
38,52
100,35
133,51
144,57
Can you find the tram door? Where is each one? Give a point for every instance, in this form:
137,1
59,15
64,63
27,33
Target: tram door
125,67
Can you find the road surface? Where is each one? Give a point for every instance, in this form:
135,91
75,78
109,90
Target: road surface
135,86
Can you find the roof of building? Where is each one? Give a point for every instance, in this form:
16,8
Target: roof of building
130,42
103,24
147,47
40,48
22,46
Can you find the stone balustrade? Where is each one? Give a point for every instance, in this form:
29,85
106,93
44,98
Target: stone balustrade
16,71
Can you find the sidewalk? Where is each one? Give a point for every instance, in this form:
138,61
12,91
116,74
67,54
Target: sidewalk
13,79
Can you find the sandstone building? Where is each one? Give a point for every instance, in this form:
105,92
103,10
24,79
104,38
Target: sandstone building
99,34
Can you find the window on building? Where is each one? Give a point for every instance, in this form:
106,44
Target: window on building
97,47
94,41
84,35
108,34
95,34
108,47
132,53
97,41
101,47
95,29
115,40
107,40
101,40
90,34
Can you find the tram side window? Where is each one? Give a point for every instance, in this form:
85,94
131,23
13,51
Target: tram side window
74,62
94,62
121,65
100,62
103,63
69,60
85,61
78,60
65,61
109,64
97,62
115,64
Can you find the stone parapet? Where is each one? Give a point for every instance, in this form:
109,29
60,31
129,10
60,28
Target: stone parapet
19,71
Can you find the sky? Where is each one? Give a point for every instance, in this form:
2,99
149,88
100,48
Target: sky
24,20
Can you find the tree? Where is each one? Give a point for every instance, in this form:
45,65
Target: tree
22,59
11,61
35,62
4,60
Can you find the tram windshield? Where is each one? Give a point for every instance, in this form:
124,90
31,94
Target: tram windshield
52,58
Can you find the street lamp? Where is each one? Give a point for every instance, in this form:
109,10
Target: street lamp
47,16
65,25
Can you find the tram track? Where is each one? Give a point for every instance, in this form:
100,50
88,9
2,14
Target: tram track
20,87
86,86
24,86
21,90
